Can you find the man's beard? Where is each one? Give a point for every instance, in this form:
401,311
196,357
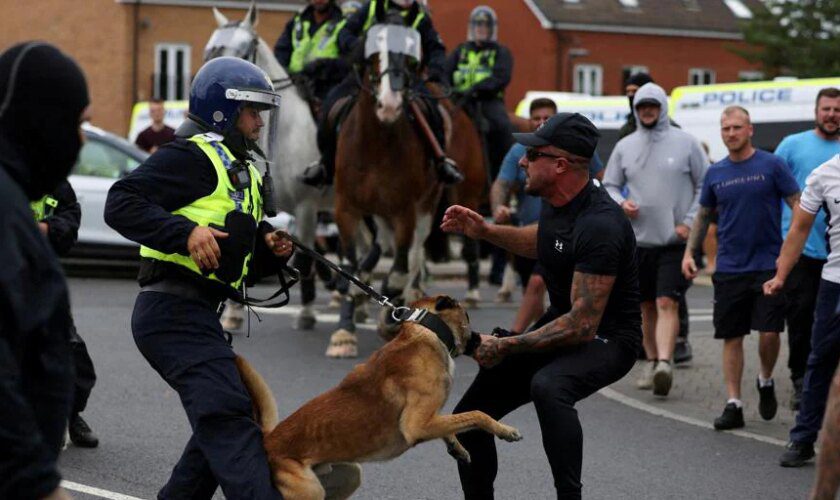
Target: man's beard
650,125
828,133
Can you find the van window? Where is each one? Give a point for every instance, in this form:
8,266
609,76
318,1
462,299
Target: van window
100,159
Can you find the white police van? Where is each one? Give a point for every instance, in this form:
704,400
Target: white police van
777,108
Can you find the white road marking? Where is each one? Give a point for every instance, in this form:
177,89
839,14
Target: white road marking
97,492
635,403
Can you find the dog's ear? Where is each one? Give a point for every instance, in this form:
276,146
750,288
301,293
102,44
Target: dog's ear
445,302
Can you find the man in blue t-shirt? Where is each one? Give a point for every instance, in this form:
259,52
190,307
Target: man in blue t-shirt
746,190
511,179
804,152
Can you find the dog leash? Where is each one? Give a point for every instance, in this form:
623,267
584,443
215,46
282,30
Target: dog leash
400,314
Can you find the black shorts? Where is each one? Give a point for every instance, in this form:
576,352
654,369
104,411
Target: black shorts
524,267
741,306
660,272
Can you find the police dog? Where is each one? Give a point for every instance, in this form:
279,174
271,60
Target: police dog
382,408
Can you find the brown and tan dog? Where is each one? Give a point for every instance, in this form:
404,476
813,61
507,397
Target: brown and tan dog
382,408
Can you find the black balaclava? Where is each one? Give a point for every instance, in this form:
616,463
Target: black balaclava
637,79
42,95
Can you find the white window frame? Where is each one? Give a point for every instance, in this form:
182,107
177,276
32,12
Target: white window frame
629,4
696,76
171,92
751,76
588,79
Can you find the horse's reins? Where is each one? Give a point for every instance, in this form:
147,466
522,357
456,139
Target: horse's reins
400,314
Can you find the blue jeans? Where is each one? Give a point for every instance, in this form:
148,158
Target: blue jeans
825,354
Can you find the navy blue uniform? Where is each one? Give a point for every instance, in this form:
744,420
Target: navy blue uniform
181,337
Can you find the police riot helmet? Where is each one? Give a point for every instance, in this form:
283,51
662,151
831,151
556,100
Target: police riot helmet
223,86
482,15
350,7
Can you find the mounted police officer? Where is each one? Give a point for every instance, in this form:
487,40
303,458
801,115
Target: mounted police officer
196,207
434,56
479,70
309,46
58,215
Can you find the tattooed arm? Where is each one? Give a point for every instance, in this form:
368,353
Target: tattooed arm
499,200
589,299
699,228
828,461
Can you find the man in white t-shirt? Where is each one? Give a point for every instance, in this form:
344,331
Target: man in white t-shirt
822,191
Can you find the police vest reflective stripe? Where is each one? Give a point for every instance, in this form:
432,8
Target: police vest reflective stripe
371,17
306,48
473,67
213,208
43,208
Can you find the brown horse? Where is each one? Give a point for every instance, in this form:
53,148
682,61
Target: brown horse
466,149
383,168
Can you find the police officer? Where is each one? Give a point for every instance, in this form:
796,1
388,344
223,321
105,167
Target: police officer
309,46
590,334
479,70
58,216
195,206
434,55
43,100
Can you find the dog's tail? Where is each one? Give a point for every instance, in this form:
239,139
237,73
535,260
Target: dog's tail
265,407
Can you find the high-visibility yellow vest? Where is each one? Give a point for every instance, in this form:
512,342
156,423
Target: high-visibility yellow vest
371,17
322,45
474,66
213,208
43,208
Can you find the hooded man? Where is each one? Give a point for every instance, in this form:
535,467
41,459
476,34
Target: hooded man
662,168
43,100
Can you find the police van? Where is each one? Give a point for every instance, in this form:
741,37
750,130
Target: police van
608,113
777,108
174,114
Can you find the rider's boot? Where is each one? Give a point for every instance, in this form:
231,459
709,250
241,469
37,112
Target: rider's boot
448,171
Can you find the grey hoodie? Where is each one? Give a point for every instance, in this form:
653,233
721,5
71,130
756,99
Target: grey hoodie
662,169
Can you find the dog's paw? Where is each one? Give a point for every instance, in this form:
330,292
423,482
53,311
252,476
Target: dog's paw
458,452
509,433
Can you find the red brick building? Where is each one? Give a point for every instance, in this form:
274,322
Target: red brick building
126,46
589,45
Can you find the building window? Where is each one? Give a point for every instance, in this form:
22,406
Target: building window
738,8
701,76
172,71
588,79
628,71
629,4
750,76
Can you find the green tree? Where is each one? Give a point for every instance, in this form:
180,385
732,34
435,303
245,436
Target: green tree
794,37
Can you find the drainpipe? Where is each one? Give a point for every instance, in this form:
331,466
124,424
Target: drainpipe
135,47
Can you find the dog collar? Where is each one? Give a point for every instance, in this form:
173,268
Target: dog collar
439,327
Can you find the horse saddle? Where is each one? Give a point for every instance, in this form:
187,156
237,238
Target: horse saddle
339,111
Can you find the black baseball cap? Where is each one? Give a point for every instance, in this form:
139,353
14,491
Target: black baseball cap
571,132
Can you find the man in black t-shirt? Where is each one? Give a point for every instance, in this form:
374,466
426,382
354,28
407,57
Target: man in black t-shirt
590,335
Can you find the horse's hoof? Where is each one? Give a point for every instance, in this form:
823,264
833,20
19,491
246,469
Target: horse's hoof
387,327
335,300
305,322
232,321
343,344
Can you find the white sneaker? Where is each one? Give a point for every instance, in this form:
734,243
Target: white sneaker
645,381
663,378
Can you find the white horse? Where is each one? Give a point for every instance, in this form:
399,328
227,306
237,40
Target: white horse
296,148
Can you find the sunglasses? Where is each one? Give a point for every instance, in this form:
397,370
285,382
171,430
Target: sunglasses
532,155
